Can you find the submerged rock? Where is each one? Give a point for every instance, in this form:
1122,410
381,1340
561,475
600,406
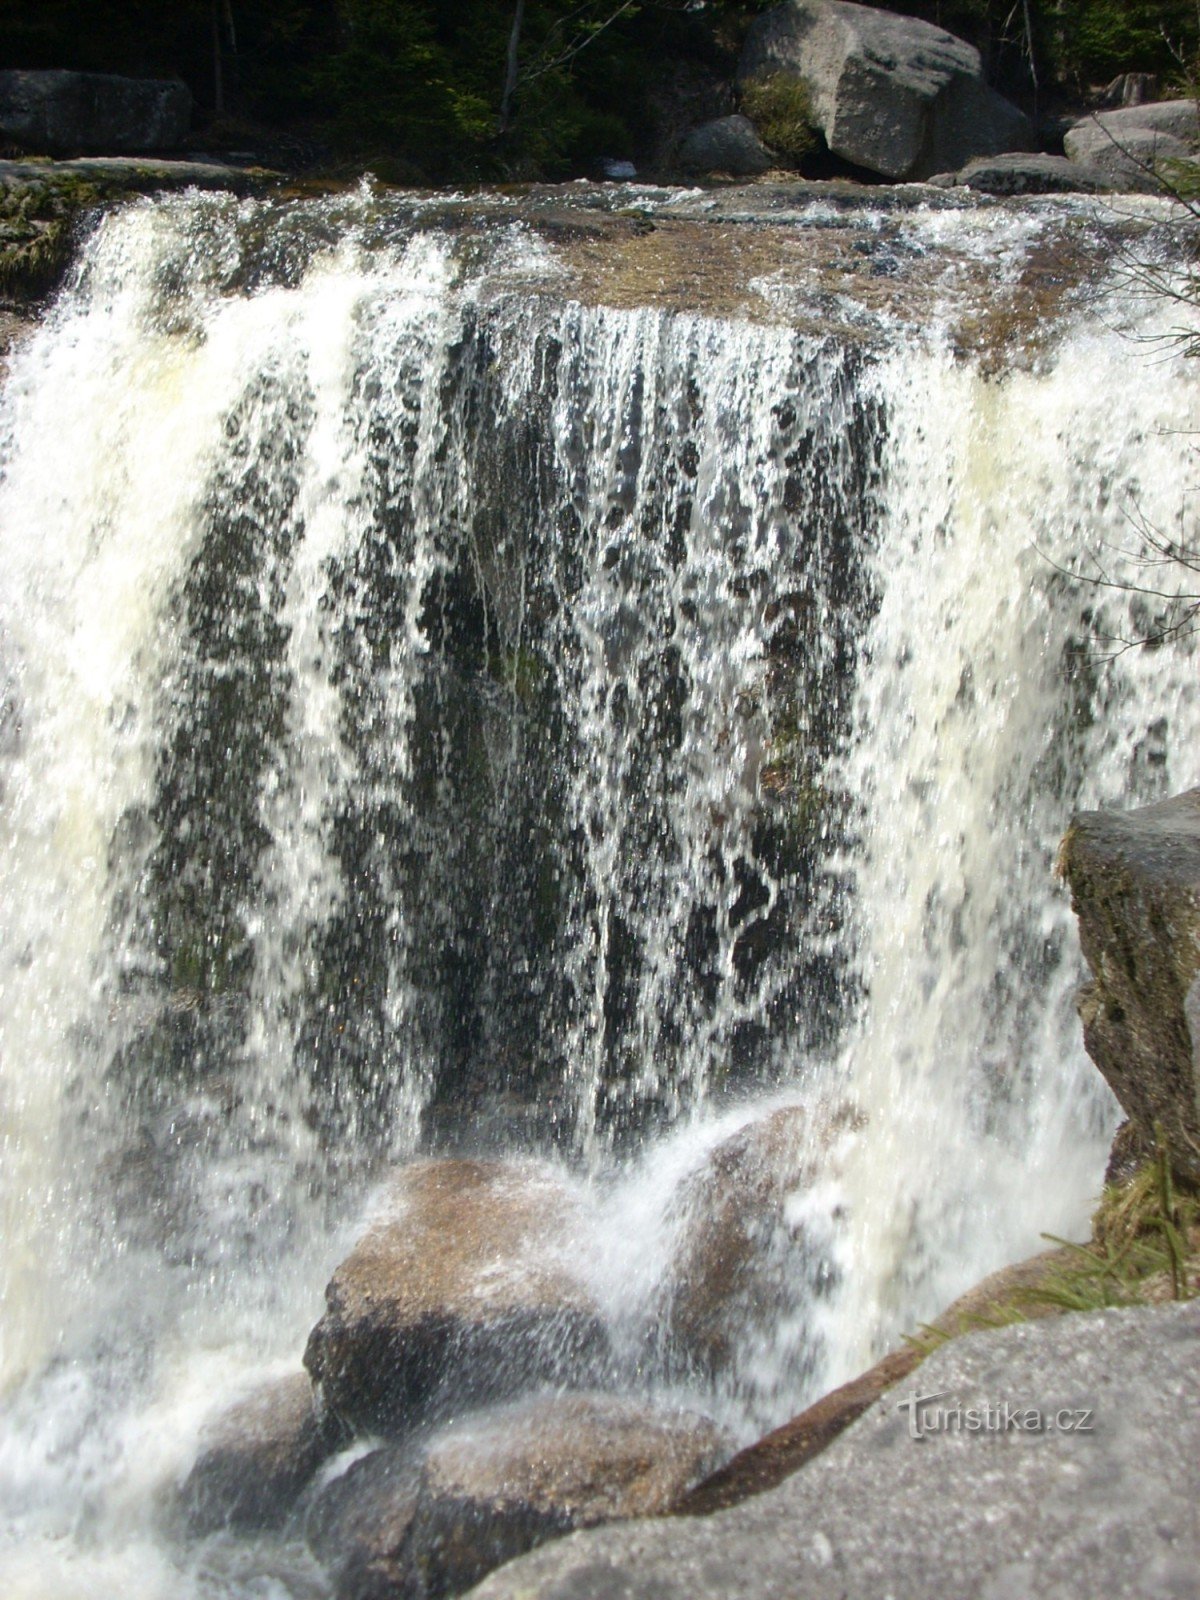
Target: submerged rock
890,93
1127,145
257,1457
1077,1507
730,144
69,112
1135,887
465,1292
498,1483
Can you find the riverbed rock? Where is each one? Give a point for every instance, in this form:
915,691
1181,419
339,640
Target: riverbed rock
1016,172
728,144
1135,887
742,1255
463,1292
500,1482
893,94
68,113
358,1525
1100,1501
1127,145
257,1457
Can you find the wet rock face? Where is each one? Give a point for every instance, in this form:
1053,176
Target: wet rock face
465,1292
892,94
257,1458
66,113
1135,887
358,1526
499,1483
742,1254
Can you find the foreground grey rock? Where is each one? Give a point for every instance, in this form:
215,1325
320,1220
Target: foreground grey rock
56,113
256,1459
892,94
730,144
465,1292
1135,887
1002,1515
431,1520
1127,145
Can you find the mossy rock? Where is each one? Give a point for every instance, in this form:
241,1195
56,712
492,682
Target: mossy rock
1135,887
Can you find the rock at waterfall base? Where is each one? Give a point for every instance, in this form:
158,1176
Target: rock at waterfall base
892,94
464,1293
741,1257
257,1458
1099,1501
430,1520
1135,887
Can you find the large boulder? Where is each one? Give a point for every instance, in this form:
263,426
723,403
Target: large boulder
729,145
1135,887
1127,145
745,1257
892,94
1099,1499
256,1458
464,1291
65,113
499,1482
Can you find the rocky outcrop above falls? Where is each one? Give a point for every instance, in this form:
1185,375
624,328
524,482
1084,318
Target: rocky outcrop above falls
892,94
1074,1507
69,113
432,1519
1129,145
1135,887
728,145
464,1292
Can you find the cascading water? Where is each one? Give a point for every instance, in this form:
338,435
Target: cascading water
444,706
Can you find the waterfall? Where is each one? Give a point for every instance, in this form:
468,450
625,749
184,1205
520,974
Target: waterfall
444,704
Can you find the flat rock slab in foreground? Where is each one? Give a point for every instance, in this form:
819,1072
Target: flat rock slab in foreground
1135,887
465,1292
1001,1514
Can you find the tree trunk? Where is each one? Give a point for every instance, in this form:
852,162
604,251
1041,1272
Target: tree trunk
218,79
510,75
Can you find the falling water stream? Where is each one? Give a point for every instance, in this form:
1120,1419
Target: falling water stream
458,693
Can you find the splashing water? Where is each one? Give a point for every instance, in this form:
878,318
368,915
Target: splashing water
441,705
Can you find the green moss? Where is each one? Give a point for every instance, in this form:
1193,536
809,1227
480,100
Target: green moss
780,108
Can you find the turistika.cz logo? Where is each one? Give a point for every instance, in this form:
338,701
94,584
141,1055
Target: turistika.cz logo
927,1416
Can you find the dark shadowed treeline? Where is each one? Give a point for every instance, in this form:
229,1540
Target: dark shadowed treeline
496,88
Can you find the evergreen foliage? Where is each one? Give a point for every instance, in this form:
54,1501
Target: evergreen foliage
422,83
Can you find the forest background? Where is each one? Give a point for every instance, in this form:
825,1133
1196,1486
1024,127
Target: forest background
485,90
